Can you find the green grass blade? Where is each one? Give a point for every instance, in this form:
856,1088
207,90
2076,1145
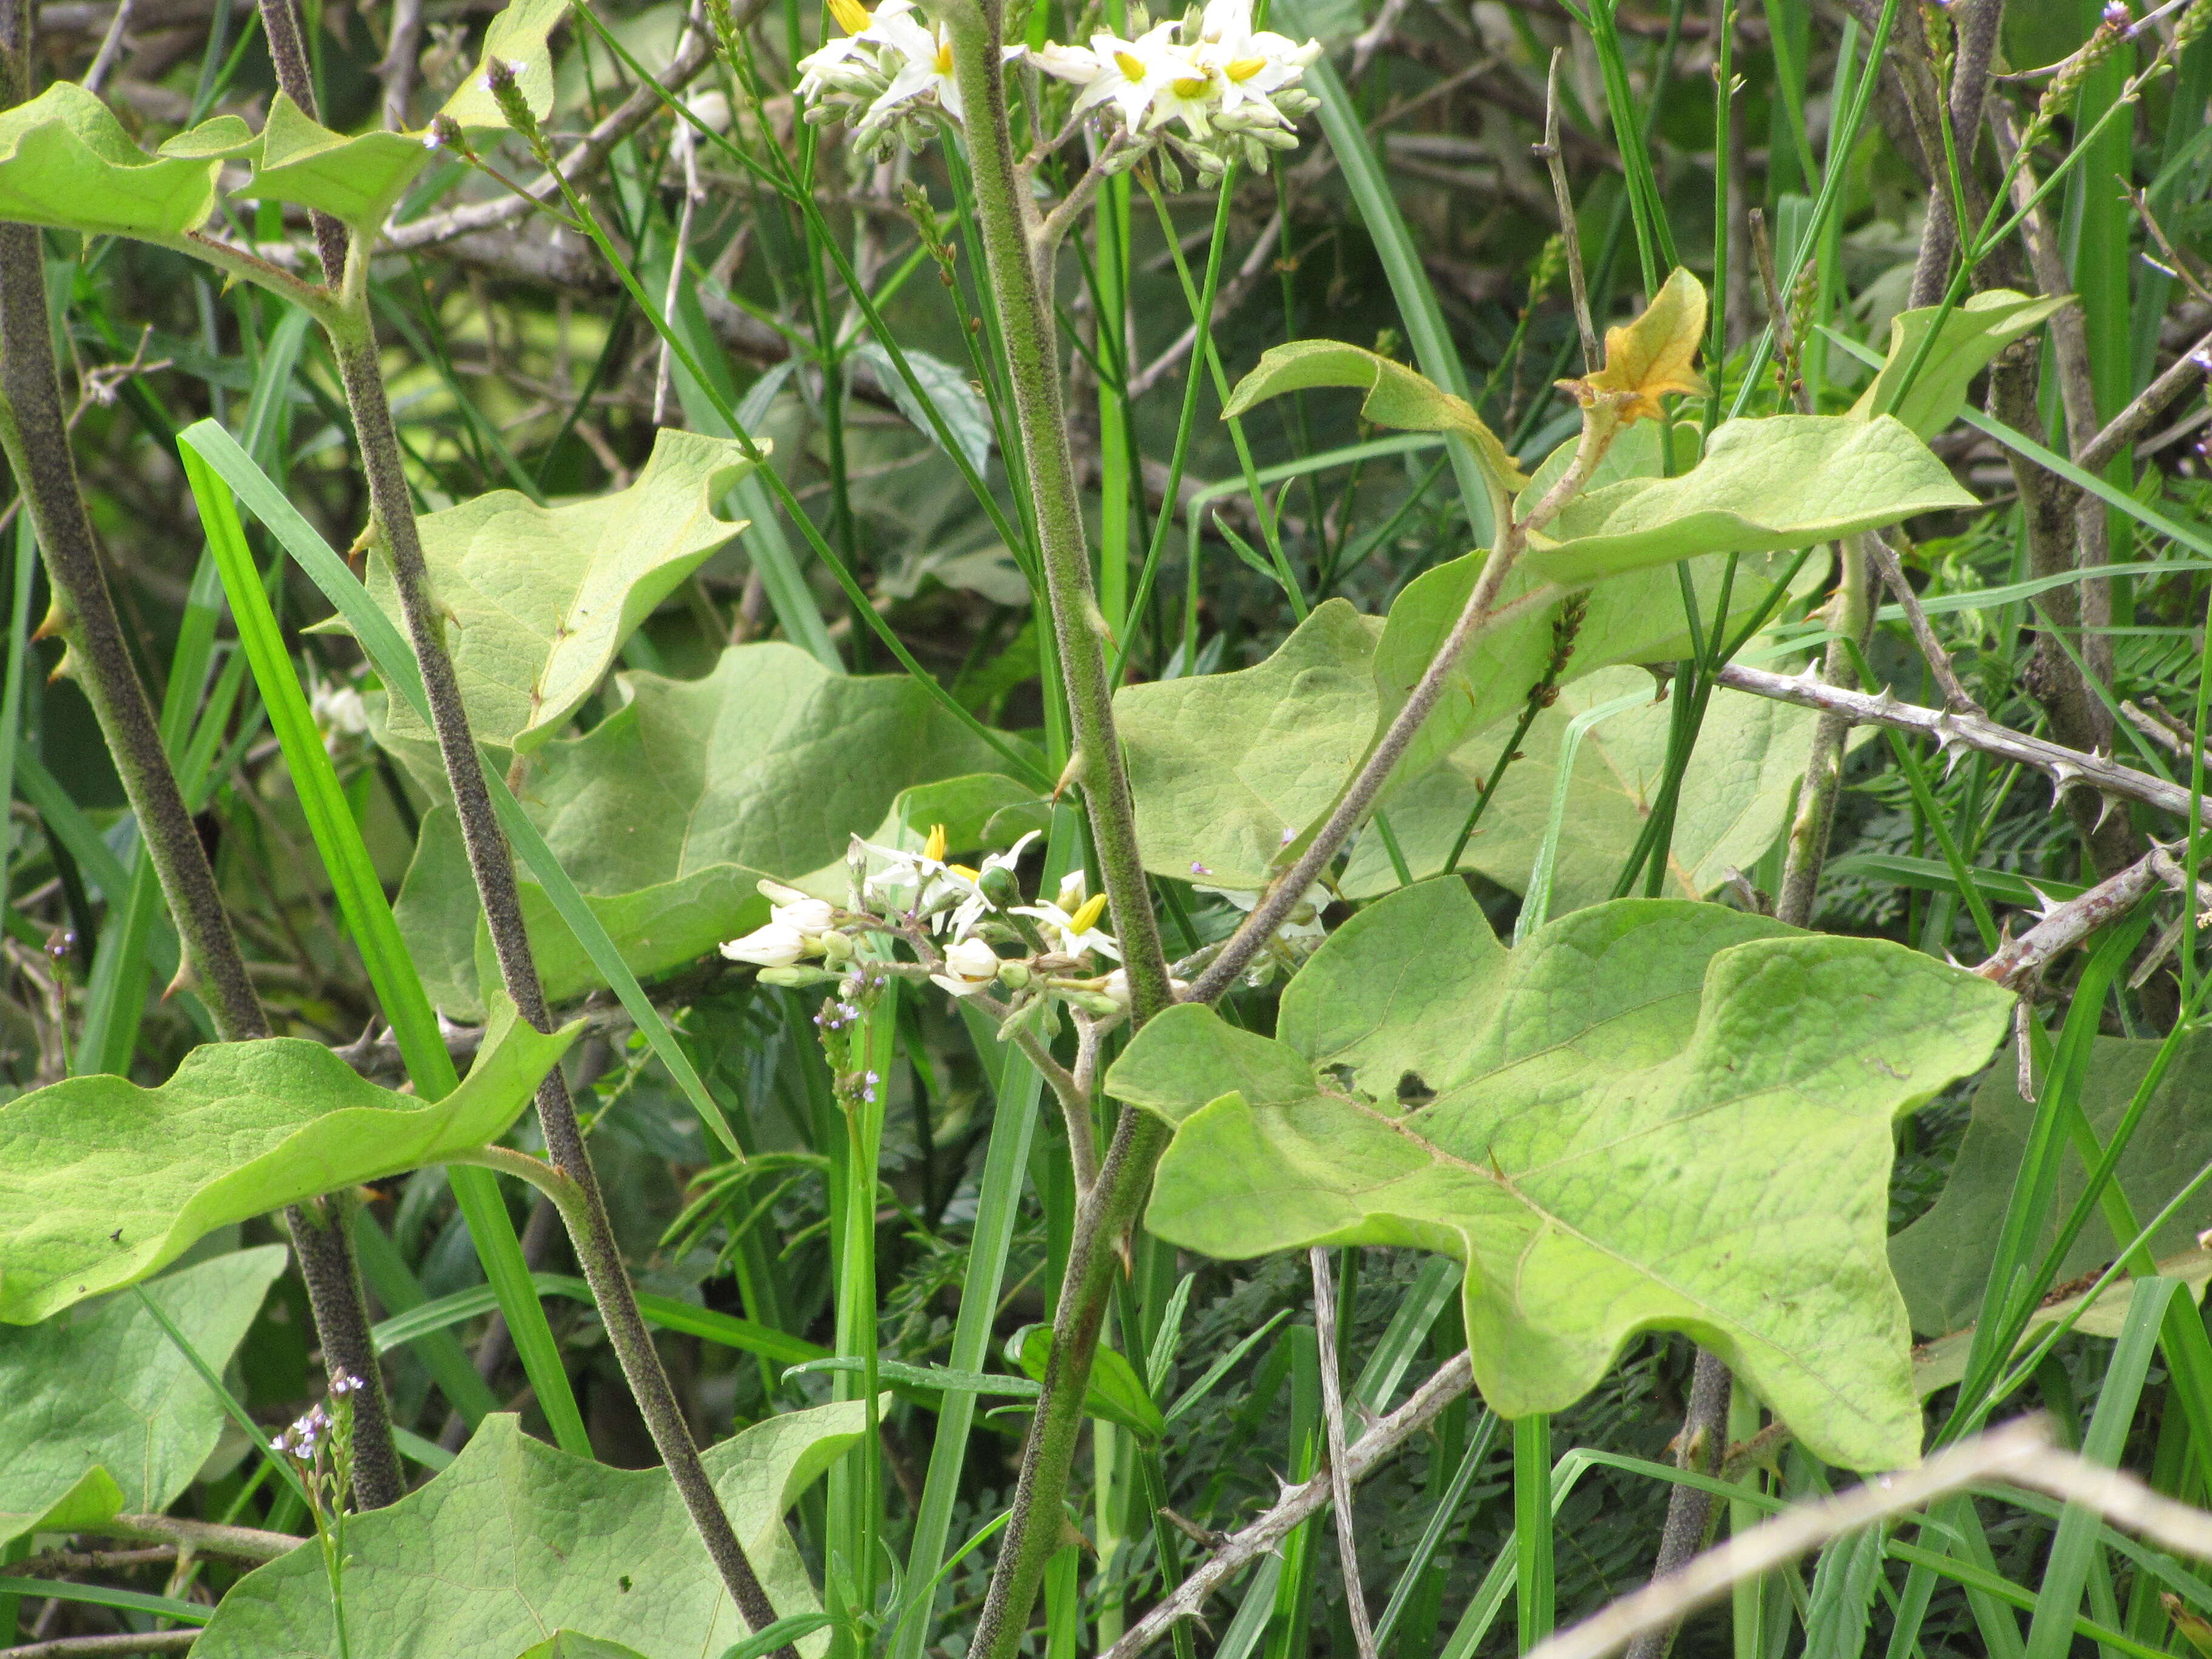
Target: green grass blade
1018,1088
375,934
1535,1571
100,1595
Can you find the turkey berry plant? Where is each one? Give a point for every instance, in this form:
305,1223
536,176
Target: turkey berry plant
1430,941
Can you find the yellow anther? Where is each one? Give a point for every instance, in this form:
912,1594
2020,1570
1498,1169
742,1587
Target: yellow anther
852,17
1084,919
1131,66
1244,69
1190,86
933,848
944,59
964,872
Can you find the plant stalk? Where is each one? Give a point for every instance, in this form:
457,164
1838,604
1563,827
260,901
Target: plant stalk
491,863
1006,220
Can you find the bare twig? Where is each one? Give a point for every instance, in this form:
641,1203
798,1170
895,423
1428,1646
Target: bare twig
2158,724
1230,296
111,48
2067,768
1298,1503
1370,39
51,1564
2020,1453
1956,697
402,53
1570,232
1778,313
685,143
2124,427
583,157
1340,1471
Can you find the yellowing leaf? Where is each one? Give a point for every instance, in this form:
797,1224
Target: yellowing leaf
1648,358
1397,397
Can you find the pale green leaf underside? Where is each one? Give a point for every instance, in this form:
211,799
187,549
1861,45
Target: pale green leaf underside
668,812
1972,334
360,178
1943,1260
102,1182
1222,765
517,1539
1734,799
100,1414
538,601
1397,397
1765,486
65,161
1653,1114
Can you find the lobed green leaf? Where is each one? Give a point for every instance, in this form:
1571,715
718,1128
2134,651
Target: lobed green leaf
539,600
1397,397
516,1538
1973,333
669,812
1653,1114
1734,799
103,1181
66,161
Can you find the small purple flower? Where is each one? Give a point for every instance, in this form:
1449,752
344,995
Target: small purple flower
1198,869
1289,835
2117,16
345,1382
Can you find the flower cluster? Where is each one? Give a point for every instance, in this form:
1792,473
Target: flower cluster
1207,85
1230,89
965,928
891,66
321,1440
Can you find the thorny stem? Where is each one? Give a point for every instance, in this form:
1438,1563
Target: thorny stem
2067,768
1006,217
1956,697
35,434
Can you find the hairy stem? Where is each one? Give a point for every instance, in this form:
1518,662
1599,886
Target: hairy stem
353,341
1006,217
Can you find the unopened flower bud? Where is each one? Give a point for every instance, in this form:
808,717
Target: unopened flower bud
798,978
969,966
778,944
